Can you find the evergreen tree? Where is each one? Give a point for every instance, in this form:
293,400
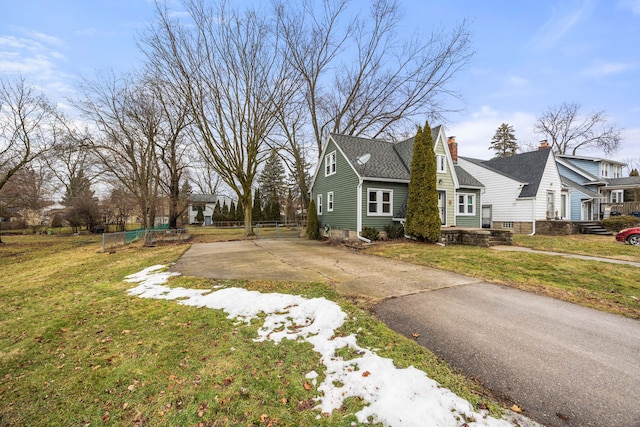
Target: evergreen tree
423,218
232,211
313,226
504,142
634,172
81,207
225,211
272,186
239,211
200,215
256,213
217,212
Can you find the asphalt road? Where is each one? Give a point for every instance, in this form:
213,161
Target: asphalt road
563,364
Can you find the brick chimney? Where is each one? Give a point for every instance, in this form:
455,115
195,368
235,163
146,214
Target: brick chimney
453,148
543,144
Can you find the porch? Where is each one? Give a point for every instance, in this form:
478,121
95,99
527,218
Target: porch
624,208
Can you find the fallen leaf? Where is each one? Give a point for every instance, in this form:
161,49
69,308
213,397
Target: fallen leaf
125,405
95,368
516,409
172,377
307,386
125,332
366,373
283,400
264,418
415,335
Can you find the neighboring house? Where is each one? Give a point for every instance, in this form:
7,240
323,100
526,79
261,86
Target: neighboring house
605,185
208,203
519,189
362,182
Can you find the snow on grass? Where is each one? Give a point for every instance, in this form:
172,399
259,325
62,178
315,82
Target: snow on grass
395,397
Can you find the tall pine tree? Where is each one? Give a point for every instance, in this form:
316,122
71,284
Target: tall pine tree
423,219
504,142
272,187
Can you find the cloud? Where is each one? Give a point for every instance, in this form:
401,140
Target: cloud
633,5
475,133
560,23
603,69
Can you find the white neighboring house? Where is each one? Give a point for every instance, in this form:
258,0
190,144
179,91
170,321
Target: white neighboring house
519,189
208,204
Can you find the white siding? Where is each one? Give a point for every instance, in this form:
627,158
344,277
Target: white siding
501,192
550,181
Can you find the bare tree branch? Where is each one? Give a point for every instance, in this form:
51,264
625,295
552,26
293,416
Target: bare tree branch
569,131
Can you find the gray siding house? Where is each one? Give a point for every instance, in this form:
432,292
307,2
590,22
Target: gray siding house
361,182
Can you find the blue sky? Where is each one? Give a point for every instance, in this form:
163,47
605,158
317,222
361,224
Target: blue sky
529,56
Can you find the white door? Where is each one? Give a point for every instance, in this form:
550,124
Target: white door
442,206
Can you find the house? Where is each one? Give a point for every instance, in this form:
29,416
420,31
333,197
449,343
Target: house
597,187
519,189
361,182
206,202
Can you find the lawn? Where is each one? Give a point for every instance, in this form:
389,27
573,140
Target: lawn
608,287
77,350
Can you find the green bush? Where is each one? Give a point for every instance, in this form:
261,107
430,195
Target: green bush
617,223
394,231
313,226
370,233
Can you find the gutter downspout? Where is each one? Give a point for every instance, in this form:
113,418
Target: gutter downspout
359,213
533,216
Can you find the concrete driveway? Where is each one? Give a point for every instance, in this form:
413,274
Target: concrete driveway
565,365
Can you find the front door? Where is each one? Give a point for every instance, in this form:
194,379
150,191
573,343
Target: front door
587,211
486,216
442,206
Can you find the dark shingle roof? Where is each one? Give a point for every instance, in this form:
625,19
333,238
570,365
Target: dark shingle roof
466,180
629,181
581,188
525,167
388,160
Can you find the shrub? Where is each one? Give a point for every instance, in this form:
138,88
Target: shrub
617,223
313,226
394,231
370,233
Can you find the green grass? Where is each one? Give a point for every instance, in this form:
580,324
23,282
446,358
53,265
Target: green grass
583,244
608,287
77,350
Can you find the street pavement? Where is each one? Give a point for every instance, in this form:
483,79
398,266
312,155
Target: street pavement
563,364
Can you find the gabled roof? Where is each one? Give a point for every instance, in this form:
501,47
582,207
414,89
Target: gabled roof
388,160
527,168
571,166
383,163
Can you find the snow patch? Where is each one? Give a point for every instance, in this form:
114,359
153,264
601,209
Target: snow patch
394,396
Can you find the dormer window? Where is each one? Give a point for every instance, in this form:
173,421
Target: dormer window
330,164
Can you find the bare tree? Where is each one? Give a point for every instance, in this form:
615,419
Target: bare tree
27,127
127,124
570,131
226,64
359,77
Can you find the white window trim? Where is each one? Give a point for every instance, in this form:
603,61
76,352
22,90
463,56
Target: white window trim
441,160
473,205
330,164
620,197
379,202
330,201
319,204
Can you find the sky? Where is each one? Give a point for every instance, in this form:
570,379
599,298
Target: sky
394,396
529,57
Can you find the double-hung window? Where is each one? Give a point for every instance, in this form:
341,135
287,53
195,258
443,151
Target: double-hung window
617,196
319,204
441,164
330,163
330,201
379,202
466,204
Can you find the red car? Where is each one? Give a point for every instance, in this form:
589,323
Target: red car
629,235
